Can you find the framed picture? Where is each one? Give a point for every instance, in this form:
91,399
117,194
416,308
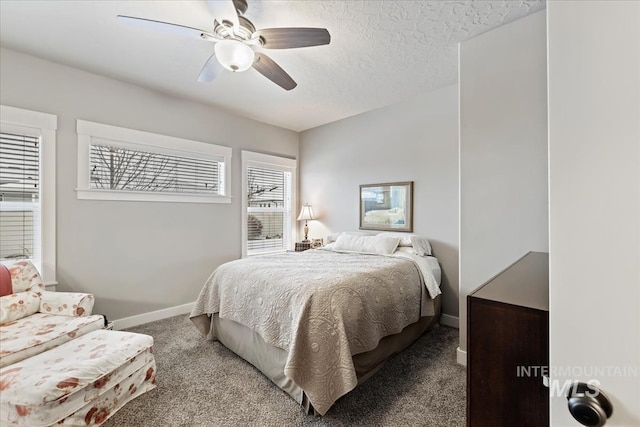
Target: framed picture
387,206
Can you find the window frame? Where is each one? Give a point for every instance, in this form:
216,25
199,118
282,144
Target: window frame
43,125
91,133
253,159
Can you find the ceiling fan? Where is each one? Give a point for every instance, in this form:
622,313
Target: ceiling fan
235,38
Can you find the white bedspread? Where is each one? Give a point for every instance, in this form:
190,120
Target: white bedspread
321,307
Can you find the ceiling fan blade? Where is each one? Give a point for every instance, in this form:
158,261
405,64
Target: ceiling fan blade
265,66
224,10
212,68
166,27
288,38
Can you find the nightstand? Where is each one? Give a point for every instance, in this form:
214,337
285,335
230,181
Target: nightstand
302,246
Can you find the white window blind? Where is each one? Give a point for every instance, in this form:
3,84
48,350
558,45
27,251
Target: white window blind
269,210
116,168
269,200
19,197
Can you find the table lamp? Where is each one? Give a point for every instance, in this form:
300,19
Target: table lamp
306,214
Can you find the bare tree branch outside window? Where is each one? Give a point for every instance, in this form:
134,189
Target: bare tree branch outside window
115,168
265,190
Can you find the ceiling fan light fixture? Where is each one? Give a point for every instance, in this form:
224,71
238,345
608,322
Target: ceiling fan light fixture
234,55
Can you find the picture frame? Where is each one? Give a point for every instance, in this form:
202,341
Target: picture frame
387,207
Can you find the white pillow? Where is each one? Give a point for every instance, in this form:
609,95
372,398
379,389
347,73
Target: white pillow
405,238
376,245
421,246
334,236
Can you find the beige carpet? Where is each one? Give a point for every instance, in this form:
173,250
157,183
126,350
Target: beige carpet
201,383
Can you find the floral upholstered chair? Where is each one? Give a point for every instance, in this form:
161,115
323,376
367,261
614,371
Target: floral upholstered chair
33,320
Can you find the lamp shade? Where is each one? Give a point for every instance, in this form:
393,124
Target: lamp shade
234,55
305,213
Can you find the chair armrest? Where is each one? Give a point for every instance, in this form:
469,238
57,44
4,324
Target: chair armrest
19,305
66,303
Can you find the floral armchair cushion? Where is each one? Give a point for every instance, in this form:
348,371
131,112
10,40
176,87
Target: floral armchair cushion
66,303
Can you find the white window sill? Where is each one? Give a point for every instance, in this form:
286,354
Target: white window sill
51,286
281,251
141,196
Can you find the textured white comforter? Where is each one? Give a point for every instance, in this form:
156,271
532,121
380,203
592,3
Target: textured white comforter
321,307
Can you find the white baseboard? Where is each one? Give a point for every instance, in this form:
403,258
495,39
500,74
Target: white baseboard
448,320
152,316
461,357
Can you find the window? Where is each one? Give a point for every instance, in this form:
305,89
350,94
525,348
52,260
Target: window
27,188
123,164
268,184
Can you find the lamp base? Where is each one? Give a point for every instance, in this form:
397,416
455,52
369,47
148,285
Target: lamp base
306,233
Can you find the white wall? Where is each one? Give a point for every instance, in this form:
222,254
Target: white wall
135,257
411,141
503,151
594,140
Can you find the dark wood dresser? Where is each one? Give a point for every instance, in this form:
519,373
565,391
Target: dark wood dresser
507,346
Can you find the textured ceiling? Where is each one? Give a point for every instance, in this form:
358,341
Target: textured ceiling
381,52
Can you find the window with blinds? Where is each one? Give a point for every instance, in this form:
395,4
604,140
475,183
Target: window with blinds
269,207
116,168
116,163
268,201
19,197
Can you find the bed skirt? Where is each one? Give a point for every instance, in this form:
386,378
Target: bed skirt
271,360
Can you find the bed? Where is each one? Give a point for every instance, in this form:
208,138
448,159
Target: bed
319,322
